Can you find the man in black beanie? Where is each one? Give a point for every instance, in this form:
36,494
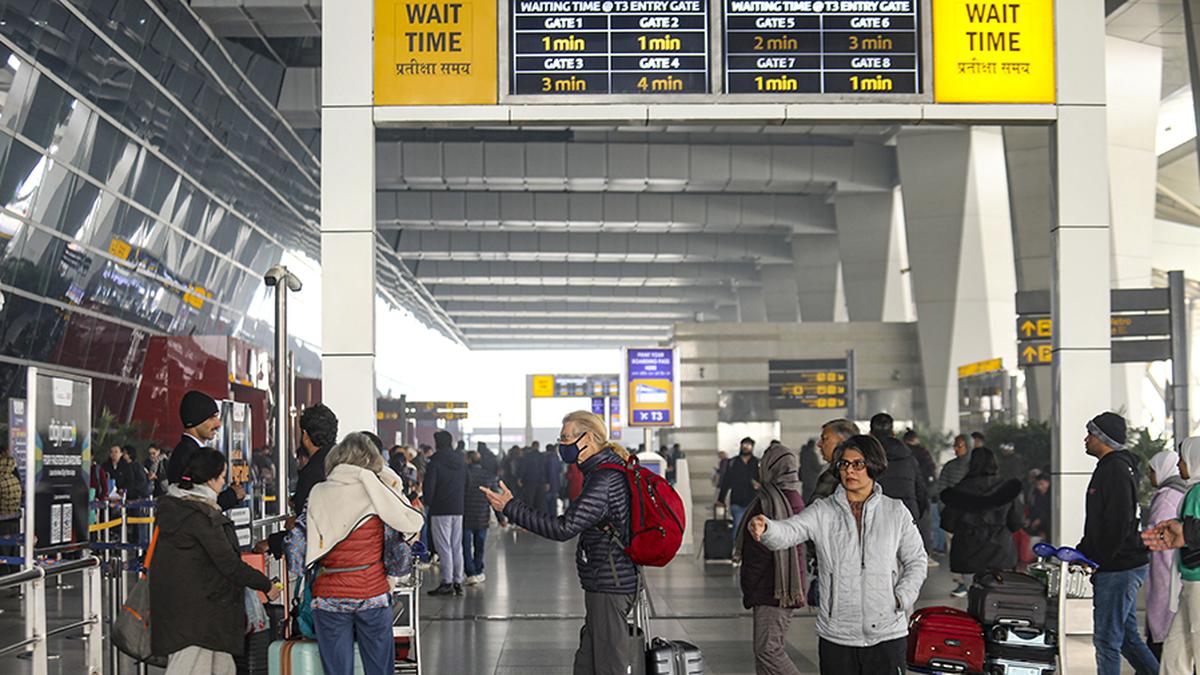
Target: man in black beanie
201,417
1111,539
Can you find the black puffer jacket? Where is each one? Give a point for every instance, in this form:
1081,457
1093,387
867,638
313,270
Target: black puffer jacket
197,579
982,511
446,483
902,480
602,564
476,509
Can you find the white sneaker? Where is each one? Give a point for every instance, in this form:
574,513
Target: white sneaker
471,581
480,578
934,564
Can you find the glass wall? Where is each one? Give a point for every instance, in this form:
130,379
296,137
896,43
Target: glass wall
146,182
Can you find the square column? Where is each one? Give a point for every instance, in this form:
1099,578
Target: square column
348,215
1080,252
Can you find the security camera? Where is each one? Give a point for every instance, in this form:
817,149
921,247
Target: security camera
280,273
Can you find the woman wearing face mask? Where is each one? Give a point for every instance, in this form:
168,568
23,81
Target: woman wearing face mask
197,591
608,576
871,559
1163,583
1181,651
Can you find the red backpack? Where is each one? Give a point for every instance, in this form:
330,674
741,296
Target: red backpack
656,515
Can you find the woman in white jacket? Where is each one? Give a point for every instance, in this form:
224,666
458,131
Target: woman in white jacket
871,560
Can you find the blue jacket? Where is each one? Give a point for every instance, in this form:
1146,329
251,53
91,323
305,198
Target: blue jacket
602,564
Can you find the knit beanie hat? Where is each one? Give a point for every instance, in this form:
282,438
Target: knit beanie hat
1109,427
196,407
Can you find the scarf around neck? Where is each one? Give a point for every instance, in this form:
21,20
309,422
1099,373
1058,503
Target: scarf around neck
778,471
349,496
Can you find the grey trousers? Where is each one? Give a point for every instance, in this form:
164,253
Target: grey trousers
770,642
447,540
606,646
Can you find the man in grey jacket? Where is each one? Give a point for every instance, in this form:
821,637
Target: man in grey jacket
952,474
872,564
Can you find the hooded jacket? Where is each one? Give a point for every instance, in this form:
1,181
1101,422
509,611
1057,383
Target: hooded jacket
868,584
476,510
446,483
197,579
1163,583
1111,535
602,564
982,511
902,480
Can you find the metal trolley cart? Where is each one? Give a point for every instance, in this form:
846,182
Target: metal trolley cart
1068,575
406,604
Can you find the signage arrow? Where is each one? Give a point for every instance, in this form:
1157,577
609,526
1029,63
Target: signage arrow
1030,353
1028,327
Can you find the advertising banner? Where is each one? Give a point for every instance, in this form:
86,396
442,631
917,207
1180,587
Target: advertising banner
18,441
60,457
234,441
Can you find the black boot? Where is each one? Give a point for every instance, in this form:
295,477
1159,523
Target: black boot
458,589
444,589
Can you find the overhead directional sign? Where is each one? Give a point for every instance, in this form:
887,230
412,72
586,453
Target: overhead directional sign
445,410
650,386
575,386
1140,326
981,367
810,384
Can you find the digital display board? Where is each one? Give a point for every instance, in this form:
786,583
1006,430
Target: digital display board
810,384
565,47
822,47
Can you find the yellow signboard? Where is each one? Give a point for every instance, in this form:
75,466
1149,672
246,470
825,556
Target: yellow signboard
980,367
993,51
120,248
435,53
543,386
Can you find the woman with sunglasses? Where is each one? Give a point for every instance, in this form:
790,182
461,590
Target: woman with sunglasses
871,559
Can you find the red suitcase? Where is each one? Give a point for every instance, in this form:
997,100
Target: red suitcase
945,640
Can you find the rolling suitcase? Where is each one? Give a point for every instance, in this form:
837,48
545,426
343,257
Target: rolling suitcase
945,640
1022,644
301,657
718,538
1000,666
673,657
1008,598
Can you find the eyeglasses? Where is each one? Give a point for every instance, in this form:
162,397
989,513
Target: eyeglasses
851,464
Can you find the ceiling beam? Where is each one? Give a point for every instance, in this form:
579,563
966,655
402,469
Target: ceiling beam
677,311
572,247
595,211
634,167
715,294
630,274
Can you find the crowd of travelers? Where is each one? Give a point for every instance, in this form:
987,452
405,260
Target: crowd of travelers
849,526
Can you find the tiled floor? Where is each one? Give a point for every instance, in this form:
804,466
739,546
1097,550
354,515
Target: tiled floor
525,619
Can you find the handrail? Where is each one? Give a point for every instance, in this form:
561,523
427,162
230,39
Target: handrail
68,566
22,577
18,646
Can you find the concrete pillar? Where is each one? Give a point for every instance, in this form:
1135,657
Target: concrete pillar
818,274
871,245
1030,184
1134,82
781,295
751,305
348,215
1080,246
960,250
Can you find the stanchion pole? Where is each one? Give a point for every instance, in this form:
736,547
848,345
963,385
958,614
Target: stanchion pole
93,610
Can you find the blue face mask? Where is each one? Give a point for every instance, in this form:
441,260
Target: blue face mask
569,452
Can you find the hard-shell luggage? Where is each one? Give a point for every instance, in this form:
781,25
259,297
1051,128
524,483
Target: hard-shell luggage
1022,644
945,640
1008,598
673,657
999,666
301,657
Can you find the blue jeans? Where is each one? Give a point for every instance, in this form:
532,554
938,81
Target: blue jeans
1114,611
473,541
371,628
737,512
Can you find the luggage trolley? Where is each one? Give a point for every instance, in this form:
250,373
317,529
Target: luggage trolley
1068,575
406,604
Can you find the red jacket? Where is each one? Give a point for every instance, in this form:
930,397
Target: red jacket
574,482
363,546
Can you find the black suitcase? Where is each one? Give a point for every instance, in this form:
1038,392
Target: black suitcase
718,539
673,657
1009,599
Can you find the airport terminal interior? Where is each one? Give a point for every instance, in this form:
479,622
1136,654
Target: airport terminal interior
746,238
